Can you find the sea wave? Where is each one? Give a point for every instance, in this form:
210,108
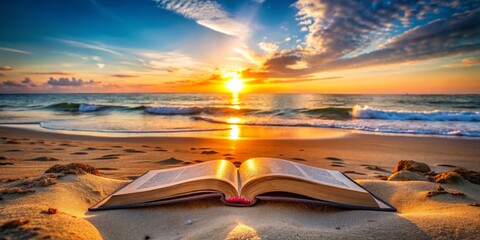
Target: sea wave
88,107
367,112
368,125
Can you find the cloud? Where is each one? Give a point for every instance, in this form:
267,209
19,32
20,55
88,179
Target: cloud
28,82
206,13
10,83
6,68
24,84
98,47
359,34
14,50
124,76
268,48
169,61
100,65
471,61
66,82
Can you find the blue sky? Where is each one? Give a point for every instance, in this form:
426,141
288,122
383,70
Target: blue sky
178,45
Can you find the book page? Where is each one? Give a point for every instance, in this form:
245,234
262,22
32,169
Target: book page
258,167
219,169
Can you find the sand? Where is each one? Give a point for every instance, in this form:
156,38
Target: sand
367,156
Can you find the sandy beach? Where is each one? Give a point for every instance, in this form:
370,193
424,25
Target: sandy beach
366,158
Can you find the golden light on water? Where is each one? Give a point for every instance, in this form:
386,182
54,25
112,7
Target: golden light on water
234,128
234,83
234,120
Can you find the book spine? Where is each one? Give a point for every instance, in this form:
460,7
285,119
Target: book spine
238,200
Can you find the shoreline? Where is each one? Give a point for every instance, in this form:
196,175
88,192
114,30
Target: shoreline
127,157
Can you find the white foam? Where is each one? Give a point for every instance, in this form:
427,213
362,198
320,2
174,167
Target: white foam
367,112
444,128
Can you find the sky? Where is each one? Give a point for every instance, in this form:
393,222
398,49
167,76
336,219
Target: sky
271,46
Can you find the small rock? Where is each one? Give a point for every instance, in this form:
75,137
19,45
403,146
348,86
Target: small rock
73,168
472,176
448,177
189,222
409,165
147,237
440,190
338,228
407,176
50,211
475,204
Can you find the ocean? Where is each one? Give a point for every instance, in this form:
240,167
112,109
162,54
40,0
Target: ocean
438,115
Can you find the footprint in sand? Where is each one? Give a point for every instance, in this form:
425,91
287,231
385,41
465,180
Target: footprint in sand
209,152
66,145
12,150
336,165
45,159
229,158
446,165
170,161
131,150
12,141
299,159
160,149
198,161
108,157
381,177
117,146
58,149
334,159
374,168
353,172
2,161
79,153
227,155
107,169
89,149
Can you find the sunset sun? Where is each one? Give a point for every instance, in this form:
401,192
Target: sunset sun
234,83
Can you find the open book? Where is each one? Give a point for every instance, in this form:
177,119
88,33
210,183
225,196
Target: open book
256,179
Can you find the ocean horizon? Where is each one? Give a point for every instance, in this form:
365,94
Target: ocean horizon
436,115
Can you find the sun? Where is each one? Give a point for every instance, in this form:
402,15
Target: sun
234,84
